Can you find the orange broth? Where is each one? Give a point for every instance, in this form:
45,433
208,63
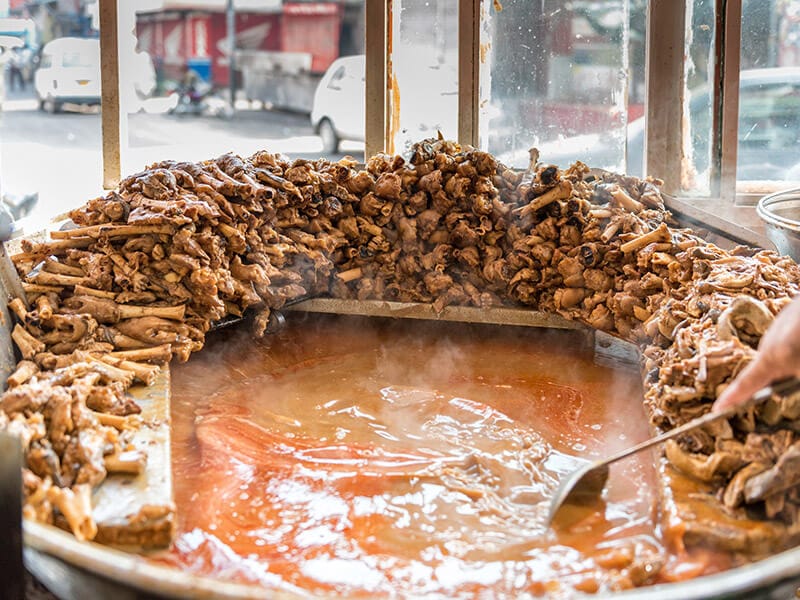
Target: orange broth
366,457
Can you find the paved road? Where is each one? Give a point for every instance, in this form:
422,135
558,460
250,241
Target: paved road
60,155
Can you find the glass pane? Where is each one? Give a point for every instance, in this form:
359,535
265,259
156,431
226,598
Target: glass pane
299,80
566,78
50,134
769,97
425,71
699,73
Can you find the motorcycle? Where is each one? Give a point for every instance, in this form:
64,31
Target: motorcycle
200,101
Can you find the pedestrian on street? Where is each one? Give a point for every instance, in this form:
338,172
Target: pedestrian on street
15,66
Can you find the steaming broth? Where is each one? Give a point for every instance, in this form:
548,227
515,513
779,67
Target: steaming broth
361,457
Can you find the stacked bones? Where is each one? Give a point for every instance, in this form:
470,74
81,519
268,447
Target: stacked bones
151,266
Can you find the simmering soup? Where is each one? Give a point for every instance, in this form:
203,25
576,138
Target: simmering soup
373,457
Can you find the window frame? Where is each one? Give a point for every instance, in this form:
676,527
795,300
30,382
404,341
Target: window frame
110,115
663,105
665,96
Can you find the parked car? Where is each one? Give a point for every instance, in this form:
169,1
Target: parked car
769,132
338,109
69,71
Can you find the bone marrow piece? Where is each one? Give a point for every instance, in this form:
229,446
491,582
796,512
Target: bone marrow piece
150,266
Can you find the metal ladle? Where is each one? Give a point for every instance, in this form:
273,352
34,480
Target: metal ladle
586,484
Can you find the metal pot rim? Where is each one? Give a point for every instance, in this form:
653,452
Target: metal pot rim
136,571
766,204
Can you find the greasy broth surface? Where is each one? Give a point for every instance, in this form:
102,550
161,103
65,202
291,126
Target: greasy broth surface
361,457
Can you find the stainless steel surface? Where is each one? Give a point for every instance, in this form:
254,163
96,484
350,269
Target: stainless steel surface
413,310
721,232
781,214
139,510
53,555
495,315
11,517
73,569
67,582
586,484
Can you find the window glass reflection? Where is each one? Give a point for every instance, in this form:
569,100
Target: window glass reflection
769,96
568,78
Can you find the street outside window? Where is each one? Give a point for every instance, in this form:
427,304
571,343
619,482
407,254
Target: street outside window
698,112
175,90
567,78
50,134
769,97
296,81
424,60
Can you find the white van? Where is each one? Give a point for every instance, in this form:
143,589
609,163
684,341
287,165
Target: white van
338,109
69,71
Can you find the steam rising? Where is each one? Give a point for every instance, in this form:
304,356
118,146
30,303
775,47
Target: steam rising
472,425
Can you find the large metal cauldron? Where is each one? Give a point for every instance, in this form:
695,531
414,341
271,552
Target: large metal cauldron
72,569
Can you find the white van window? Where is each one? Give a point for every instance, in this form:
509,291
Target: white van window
78,59
336,78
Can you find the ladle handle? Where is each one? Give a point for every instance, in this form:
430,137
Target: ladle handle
787,386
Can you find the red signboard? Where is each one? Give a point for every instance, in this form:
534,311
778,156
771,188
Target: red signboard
198,41
313,28
175,38
254,31
163,38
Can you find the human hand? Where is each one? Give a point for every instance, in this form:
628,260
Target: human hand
778,357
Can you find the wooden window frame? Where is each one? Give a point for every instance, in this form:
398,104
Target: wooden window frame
111,116
666,91
664,103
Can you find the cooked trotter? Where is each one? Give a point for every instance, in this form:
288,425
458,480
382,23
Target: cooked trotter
111,399
130,462
54,266
784,475
659,234
156,354
76,506
108,311
24,371
28,345
18,307
746,318
144,373
559,192
181,245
